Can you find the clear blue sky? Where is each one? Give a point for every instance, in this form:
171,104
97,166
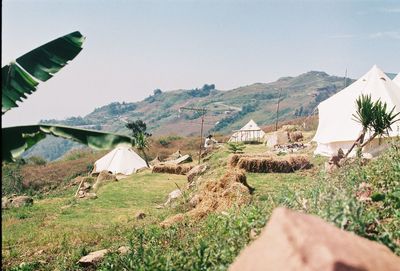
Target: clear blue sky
133,47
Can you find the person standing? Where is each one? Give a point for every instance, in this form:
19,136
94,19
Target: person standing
209,143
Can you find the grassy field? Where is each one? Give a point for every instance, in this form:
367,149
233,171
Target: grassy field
64,227
58,229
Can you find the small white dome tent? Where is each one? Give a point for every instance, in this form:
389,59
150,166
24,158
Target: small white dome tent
121,160
248,133
337,127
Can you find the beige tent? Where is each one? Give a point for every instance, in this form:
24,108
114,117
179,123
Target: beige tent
337,127
249,133
121,160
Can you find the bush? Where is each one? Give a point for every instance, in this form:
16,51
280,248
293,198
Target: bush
236,147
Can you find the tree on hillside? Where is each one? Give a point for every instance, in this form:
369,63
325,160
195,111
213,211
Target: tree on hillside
157,91
137,127
373,116
140,135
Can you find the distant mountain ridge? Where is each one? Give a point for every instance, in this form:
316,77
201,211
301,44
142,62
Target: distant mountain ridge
226,110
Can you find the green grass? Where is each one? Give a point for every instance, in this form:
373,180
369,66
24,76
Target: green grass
61,226
66,228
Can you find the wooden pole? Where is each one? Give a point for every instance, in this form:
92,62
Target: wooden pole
203,110
277,110
201,135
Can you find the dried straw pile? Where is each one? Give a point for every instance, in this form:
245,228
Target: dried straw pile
172,169
269,164
215,196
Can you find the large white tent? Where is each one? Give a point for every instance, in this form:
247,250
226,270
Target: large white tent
337,127
121,160
397,79
248,133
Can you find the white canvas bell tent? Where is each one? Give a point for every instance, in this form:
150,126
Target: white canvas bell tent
248,133
121,160
337,127
396,80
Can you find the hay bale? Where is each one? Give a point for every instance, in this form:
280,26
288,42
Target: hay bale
273,164
233,159
172,169
217,196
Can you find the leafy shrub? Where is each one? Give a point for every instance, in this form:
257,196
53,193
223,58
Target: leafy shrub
236,147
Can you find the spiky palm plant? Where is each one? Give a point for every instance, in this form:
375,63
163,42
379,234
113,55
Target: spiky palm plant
374,117
142,144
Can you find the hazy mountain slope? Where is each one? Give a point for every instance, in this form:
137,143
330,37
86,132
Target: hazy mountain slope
226,110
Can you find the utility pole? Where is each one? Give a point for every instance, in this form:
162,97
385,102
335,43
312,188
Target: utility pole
203,111
277,110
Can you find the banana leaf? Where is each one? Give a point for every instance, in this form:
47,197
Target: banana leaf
16,140
21,78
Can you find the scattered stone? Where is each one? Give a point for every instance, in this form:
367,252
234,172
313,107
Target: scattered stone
174,156
86,186
184,159
5,202
289,148
140,215
39,252
91,196
123,250
296,241
19,201
364,192
330,168
253,234
196,171
106,176
155,161
194,201
295,136
177,193
93,258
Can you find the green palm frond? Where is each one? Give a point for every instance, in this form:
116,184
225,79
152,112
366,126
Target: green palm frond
16,140
21,78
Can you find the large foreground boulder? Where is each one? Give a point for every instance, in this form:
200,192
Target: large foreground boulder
296,241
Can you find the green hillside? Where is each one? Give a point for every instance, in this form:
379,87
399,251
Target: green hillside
226,110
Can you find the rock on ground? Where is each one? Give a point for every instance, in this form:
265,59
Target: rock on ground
140,215
196,171
16,201
296,241
123,250
93,258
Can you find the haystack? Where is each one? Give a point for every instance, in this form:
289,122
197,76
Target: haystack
216,196
269,163
172,169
